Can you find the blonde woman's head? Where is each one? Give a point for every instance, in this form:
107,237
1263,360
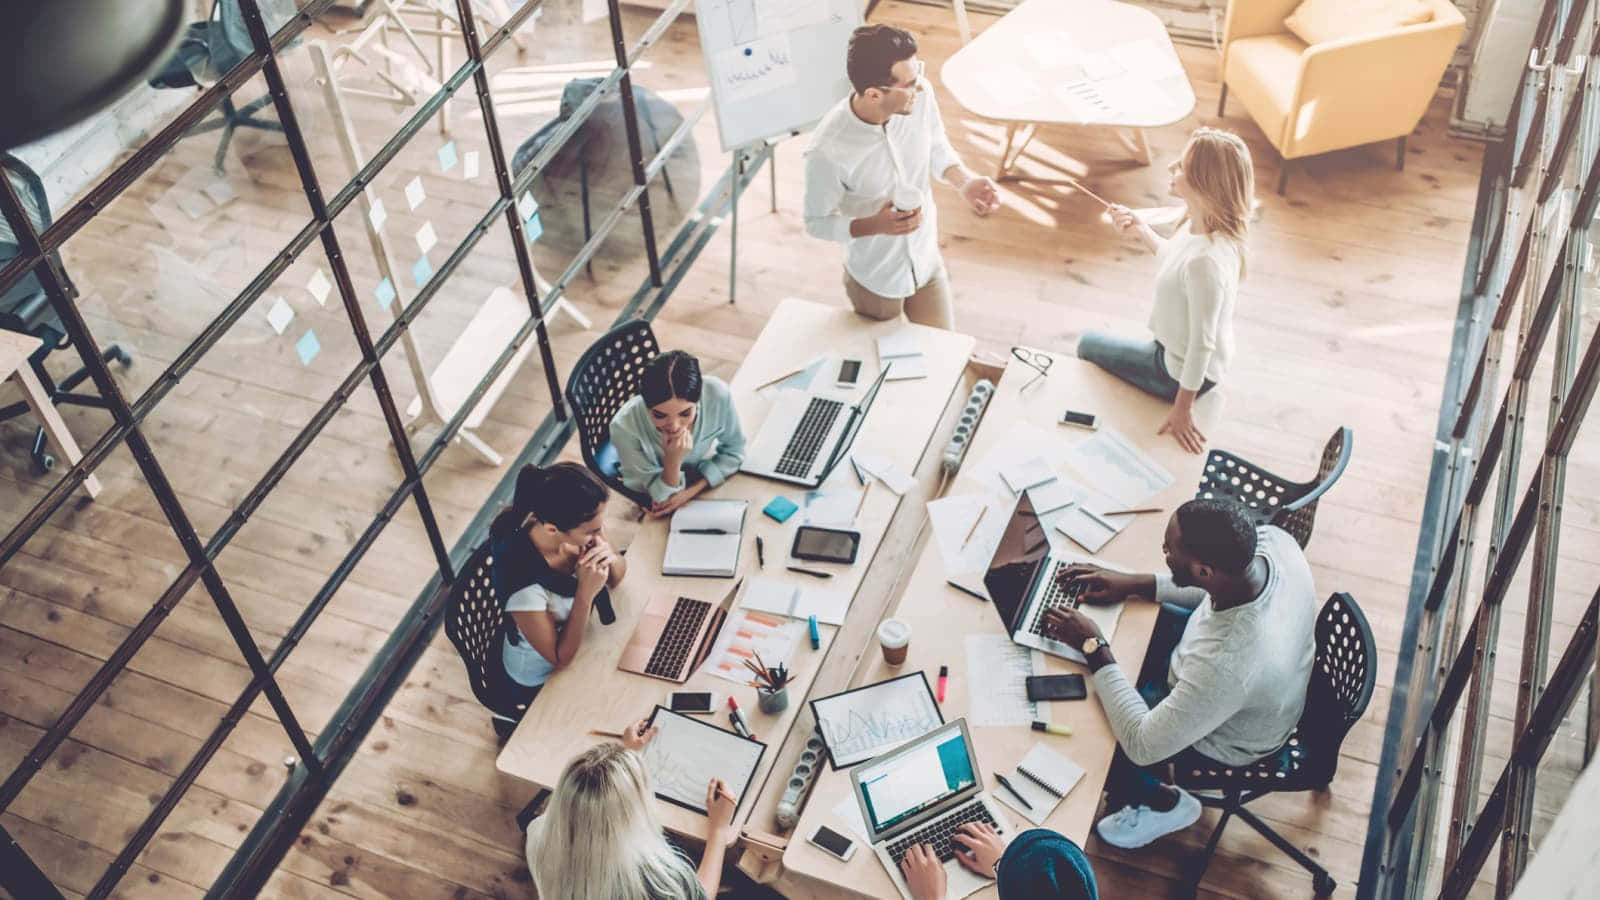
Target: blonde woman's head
599,835
1217,180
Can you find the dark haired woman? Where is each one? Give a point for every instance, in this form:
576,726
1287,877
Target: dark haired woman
679,436
553,564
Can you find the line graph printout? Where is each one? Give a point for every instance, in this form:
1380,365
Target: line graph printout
687,753
1115,466
867,721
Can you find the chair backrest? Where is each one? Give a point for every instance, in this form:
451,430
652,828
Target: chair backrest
1229,477
1299,514
28,292
1343,675
606,376
474,623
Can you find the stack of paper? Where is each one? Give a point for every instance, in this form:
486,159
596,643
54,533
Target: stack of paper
1044,778
902,356
796,602
705,539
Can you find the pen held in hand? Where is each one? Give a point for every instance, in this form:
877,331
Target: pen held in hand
1092,195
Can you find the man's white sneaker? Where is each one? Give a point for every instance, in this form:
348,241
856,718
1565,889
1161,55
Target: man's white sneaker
1134,826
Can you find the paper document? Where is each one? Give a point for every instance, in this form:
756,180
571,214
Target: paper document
953,519
799,381
1118,468
795,601
848,812
996,691
747,634
1044,778
687,753
831,509
868,721
901,354
1051,496
705,538
759,67
1027,473
1021,442
881,468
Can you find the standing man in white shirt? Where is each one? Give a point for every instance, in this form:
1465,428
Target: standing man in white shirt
868,171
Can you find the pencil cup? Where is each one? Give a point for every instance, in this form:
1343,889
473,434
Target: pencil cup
773,701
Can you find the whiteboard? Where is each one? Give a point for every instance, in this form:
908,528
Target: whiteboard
776,66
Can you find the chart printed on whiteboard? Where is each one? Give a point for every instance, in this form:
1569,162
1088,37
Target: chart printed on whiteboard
687,753
871,720
755,68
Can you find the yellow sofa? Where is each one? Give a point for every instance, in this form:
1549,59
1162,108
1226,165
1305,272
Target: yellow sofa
1314,98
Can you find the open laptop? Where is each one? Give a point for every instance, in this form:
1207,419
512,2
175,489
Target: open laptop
674,635
922,793
1021,582
806,434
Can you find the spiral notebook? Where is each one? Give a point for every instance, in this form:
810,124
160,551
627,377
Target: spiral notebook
1044,778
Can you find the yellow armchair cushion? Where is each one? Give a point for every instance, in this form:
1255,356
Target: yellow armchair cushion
1262,73
1318,21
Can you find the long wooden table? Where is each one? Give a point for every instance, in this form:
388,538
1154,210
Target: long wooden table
941,618
592,693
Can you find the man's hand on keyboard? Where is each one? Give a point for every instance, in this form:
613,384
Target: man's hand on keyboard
979,847
924,873
1099,585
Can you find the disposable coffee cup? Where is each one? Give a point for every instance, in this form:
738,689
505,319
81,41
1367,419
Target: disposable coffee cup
905,198
894,636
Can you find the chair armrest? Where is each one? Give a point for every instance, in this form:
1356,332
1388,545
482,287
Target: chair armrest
1340,81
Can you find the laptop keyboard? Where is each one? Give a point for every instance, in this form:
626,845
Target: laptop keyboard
1055,595
937,835
803,445
677,639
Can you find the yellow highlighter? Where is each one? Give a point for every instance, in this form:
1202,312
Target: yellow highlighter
1052,728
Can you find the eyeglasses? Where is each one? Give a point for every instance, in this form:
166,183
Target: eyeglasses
1036,360
918,67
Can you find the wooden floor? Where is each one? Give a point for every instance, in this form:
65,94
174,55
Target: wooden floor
1344,320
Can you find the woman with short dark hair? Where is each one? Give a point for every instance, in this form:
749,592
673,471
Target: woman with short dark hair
679,435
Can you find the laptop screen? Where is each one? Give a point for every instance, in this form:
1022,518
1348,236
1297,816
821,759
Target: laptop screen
900,786
1022,550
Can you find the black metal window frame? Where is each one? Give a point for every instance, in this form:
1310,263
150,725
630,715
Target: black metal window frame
1479,444
320,764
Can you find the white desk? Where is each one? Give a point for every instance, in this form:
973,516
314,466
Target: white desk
593,693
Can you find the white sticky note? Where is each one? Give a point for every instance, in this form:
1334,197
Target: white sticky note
426,238
220,192
377,215
279,315
527,206
414,192
319,286
469,165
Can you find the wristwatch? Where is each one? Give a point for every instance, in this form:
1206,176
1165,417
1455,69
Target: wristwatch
1093,645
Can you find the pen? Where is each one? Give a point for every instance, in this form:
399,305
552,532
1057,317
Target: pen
812,572
738,720
1092,195
974,529
944,674
865,490
604,733
761,552
816,636
1039,781
784,377
966,590
701,531
1129,512
1052,728
859,477
1006,783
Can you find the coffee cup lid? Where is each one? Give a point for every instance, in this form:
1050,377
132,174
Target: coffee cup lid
894,633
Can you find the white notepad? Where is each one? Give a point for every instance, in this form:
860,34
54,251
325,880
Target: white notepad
902,356
1047,766
705,539
796,602
1027,473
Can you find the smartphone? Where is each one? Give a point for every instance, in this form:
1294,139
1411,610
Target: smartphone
691,702
1081,419
849,373
825,544
835,843
1056,687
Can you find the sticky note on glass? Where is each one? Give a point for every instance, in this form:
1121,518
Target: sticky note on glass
527,206
307,347
414,194
385,292
447,156
377,215
535,228
220,192
319,286
422,271
279,315
426,238
469,165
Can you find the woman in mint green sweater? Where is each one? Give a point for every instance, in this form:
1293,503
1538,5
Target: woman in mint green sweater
679,435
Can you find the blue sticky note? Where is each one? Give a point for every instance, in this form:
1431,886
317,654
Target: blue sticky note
535,228
781,508
385,292
447,157
422,271
307,347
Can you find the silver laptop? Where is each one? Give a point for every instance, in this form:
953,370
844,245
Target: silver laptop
922,793
1021,582
806,435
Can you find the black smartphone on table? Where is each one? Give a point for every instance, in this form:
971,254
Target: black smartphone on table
1056,687
825,544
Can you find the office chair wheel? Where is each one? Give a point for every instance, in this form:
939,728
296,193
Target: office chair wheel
122,357
44,462
1324,884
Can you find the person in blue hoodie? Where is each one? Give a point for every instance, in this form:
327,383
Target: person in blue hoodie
679,435
1038,864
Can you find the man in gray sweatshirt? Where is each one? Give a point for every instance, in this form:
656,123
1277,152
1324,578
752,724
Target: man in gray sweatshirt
1224,678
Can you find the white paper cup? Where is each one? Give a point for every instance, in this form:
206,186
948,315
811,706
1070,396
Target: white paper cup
894,637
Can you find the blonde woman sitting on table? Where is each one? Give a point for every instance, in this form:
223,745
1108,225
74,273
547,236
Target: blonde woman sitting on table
1197,282
553,564
600,837
679,435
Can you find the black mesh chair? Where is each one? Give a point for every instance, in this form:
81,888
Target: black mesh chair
1342,678
1289,505
26,308
475,624
606,376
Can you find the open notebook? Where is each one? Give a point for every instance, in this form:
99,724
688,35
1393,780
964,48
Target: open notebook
705,539
1044,778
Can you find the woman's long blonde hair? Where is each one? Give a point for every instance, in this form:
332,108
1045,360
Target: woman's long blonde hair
600,837
1217,165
